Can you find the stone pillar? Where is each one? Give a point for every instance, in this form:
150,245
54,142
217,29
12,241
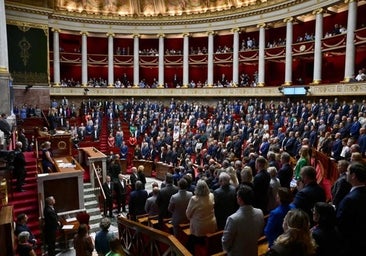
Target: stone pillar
349,71
288,62
235,56
317,73
56,57
210,54
136,67
6,98
261,61
161,61
110,60
84,58
185,60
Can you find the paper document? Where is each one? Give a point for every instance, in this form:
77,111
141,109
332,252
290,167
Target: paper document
67,226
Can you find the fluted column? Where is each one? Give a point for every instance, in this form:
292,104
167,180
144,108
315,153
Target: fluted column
56,57
6,97
210,54
110,60
185,60
317,74
4,61
288,62
136,67
349,71
84,58
161,61
261,61
235,56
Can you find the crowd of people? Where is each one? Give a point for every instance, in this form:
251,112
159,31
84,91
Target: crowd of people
232,160
215,149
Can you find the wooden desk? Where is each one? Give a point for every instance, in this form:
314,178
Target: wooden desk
162,169
67,164
147,164
69,229
66,185
91,155
6,231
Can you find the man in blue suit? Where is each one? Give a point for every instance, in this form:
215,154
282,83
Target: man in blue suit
352,211
311,193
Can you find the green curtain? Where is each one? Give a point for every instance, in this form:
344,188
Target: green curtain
27,49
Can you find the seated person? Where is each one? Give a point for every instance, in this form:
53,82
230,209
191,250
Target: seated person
21,225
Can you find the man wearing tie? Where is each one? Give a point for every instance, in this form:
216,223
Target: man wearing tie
108,191
120,188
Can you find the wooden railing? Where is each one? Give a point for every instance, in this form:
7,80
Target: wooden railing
98,190
138,239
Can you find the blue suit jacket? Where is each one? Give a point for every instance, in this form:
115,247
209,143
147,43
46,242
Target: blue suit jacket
274,223
306,198
352,221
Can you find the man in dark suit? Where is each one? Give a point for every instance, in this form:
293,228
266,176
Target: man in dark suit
261,184
120,188
341,187
311,193
51,224
352,211
108,191
19,171
164,196
225,200
286,172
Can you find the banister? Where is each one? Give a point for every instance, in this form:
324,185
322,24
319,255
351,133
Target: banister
138,239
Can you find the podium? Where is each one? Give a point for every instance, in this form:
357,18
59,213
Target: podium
147,164
162,169
91,155
6,231
66,185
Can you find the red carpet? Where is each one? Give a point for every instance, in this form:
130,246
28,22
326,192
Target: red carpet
27,201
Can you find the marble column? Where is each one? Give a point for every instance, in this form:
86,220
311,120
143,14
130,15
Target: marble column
288,61
317,73
185,60
349,71
261,61
210,54
84,58
136,58
6,99
235,57
161,61
110,60
56,57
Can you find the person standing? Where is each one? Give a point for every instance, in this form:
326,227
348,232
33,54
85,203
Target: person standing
103,237
108,192
237,240
51,224
48,164
120,188
352,211
341,187
19,166
83,243
311,193
201,214
163,198
225,200
261,184
178,205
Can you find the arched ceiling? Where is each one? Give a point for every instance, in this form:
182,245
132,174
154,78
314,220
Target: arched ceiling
145,8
